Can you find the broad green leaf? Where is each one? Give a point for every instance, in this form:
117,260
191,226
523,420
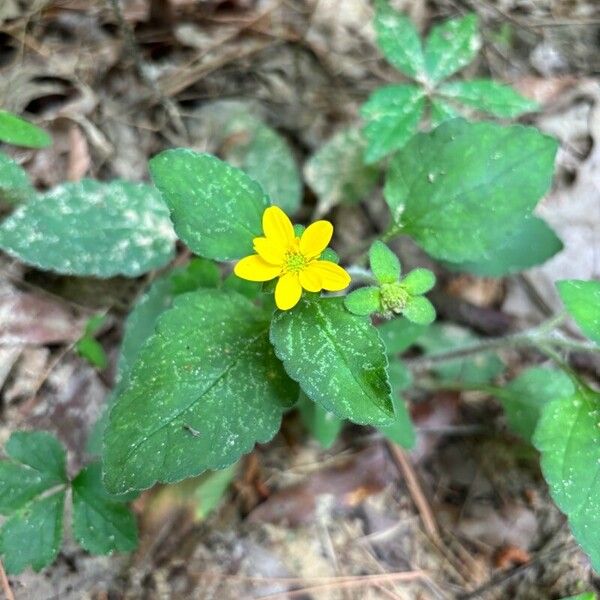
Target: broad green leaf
217,209
533,243
475,370
363,301
212,488
91,228
323,425
398,39
399,334
463,188
102,523
337,173
488,96
204,389
525,397
384,263
15,186
32,535
568,437
451,46
19,132
440,112
419,281
336,357
392,114
420,311
582,300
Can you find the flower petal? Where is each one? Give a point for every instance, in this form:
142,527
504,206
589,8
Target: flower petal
270,251
333,277
310,279
288,291
254,268
277,226
315,238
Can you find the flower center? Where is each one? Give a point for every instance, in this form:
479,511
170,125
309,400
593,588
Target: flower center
294,261
394,297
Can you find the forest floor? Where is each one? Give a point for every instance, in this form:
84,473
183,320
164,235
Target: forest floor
466,514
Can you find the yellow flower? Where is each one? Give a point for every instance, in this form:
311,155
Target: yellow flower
294,260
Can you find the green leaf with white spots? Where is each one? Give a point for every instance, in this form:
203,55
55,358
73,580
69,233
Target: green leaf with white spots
336,171
19,132
336,357
323,425
525,397
363,301
399,334
461,189
582,300
398,39
15,187
205,387
401,431
568,437
441,111
451,46
392,114
90,228
384,263
419,281
420,311
216,208
102,523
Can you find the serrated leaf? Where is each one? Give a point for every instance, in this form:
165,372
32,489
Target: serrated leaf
384,263
392,114
32,535
488,96
91,228
364,301
533,243
451,46
568,437
198,397
399,334
440,112
420,311
525,397
101,523
336,357
212,488
19,132
216,209
398,40
323,425
582,300
337,173
463,188
15,186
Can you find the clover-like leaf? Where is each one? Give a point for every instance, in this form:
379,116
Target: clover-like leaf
363,301
384,263
420,311
198,397
582,299
419,281
15,186
216,208
323,425
451,46
90,228
19,132
336,357
441,111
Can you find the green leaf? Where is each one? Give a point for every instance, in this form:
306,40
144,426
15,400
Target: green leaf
217,209
15,186
267,158
101,523
489,96
451,46
336,357
582,300
533,243
568,437
584,596
525,397
399,334
398,39
401,431
420,311
364,301
92,351
212,488
440,112
205,388
475,370
392,114
323,425
33,534
419,281
384,263
91,228
17,131
462,189
336,172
